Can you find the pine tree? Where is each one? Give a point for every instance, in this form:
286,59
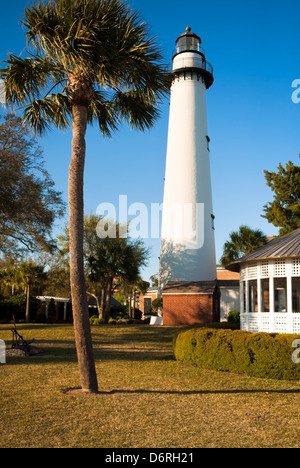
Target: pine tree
284,211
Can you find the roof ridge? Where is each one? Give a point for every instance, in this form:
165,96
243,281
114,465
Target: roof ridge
283,246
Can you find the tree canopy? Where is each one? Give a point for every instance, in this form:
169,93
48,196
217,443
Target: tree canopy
242,242
284,210
96,53
29,204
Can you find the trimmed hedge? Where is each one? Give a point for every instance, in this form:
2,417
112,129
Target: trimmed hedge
262,355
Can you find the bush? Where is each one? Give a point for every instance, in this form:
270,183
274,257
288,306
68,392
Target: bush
234,316
254,354
138,314
95,320
41,318
118,312
15,305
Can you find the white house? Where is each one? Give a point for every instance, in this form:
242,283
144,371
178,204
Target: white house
229,285
270,286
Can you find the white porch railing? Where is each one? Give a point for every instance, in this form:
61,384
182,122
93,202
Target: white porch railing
271,322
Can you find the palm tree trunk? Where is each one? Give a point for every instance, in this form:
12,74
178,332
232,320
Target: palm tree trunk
78,287
108,300
27,313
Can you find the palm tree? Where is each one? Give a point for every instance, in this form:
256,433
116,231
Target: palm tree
242,242
89,60
29,273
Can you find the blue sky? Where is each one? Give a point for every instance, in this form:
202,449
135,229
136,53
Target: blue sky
253,123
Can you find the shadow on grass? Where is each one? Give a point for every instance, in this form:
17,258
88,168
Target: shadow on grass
79,392
64,351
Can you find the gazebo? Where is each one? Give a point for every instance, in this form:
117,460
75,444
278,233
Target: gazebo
270,286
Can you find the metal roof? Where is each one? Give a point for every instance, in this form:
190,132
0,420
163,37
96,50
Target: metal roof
285,246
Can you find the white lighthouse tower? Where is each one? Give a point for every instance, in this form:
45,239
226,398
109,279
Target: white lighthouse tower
187,238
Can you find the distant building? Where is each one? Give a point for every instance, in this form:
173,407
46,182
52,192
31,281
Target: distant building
197,299
145,301
229,284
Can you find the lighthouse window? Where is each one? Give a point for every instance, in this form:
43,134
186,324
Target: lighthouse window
208,141
213,221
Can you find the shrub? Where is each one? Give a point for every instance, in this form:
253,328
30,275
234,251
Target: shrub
254,354
16,305
118,312
234,316
138,314
95,320
41,318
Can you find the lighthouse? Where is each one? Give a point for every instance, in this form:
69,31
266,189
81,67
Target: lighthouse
187,258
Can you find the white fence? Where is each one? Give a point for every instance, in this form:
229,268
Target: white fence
271,322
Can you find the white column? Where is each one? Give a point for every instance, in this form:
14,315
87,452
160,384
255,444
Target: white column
288,272
65,311
272,305
259,312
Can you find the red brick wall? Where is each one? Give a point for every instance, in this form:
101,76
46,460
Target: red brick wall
185,309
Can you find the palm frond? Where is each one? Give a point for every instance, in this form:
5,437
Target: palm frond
103,111
53,109
134,108
25,79
100,40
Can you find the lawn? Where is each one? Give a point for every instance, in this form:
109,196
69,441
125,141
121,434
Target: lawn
146,398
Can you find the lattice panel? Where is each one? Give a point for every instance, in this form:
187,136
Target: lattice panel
279,268
253,324
265,323
264,269
296,267
243,273
296,324
280,324
252,271
243,322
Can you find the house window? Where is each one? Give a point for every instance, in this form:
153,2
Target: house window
147,305
252,296
244,297
280,294
265,295
296,294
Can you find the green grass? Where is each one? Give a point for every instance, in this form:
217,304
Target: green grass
146,398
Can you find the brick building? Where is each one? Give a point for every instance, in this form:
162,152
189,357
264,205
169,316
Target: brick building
191,303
